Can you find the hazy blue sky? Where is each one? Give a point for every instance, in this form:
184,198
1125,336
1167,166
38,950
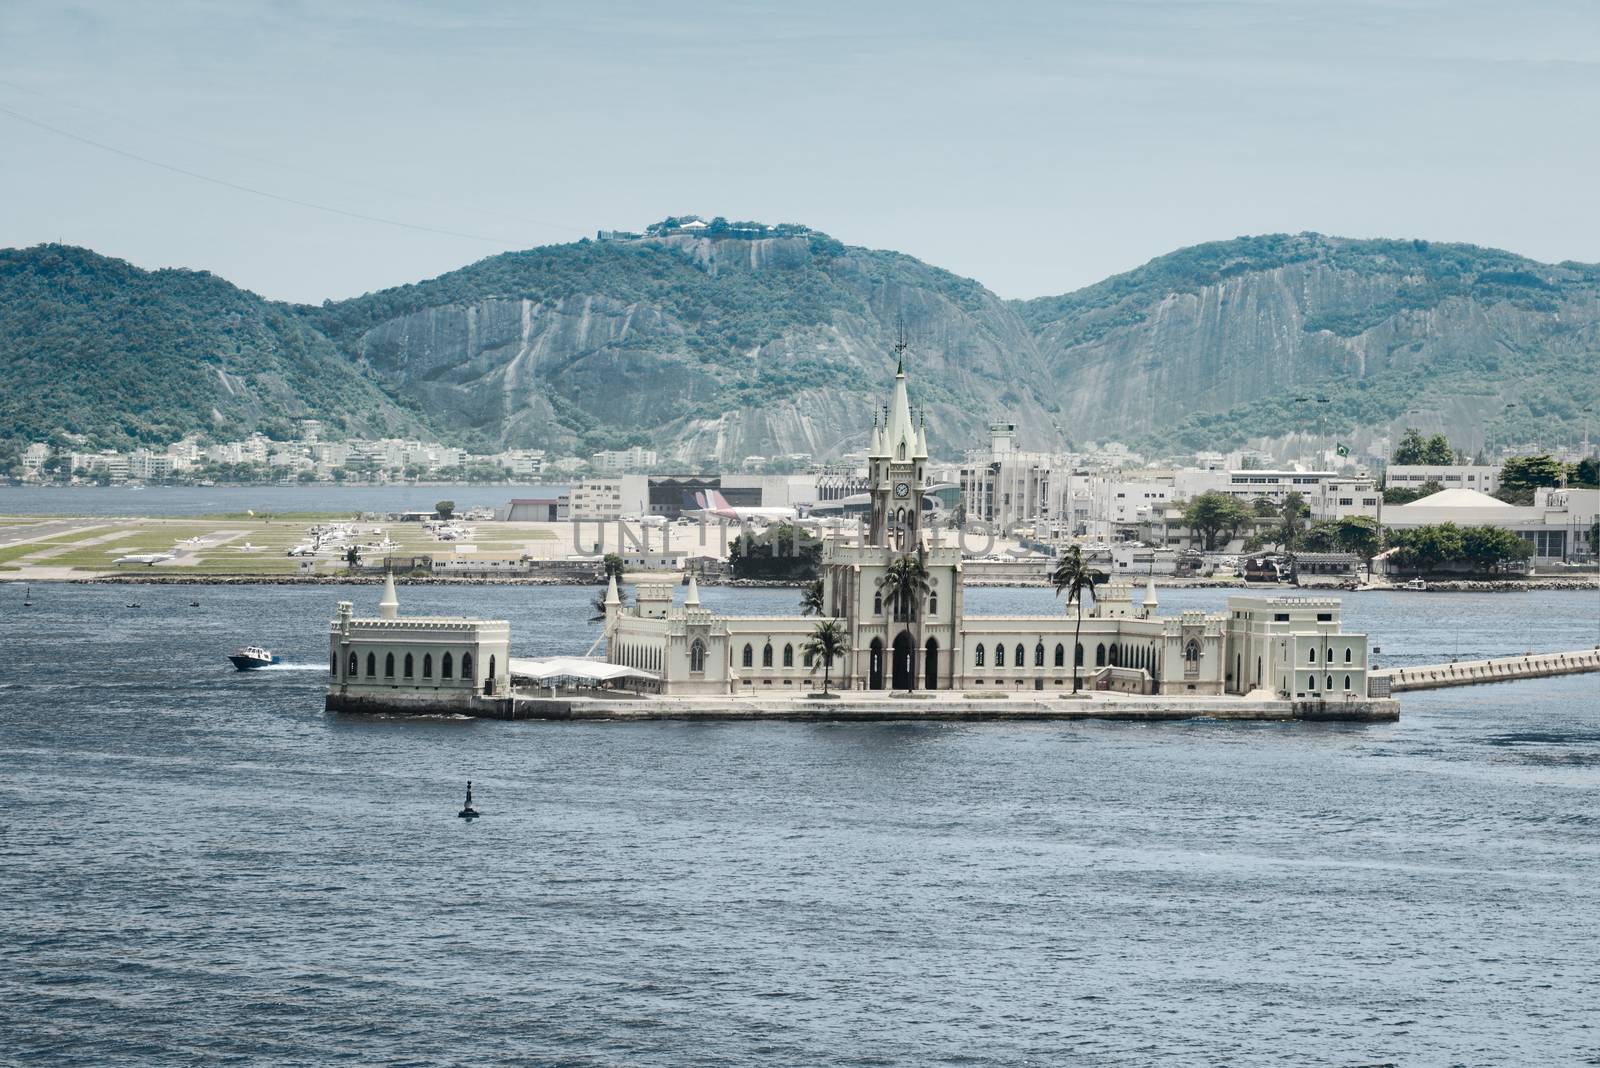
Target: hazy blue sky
1035,147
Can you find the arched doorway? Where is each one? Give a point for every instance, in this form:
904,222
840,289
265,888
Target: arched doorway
875,665
930,665
904,670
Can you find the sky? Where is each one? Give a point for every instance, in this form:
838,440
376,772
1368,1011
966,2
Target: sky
319,150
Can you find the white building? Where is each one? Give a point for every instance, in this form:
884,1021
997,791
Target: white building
1344,498
1248,485
1006,488
610,498
1556,526
625,460
1480,477
428,662
933,644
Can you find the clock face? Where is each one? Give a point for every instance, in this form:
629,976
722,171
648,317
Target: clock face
902,489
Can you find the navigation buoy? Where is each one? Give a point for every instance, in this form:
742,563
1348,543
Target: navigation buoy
468,812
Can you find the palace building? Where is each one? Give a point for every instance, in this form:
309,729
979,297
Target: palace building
1291,647
396,662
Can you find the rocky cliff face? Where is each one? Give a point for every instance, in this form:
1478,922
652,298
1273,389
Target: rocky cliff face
1215,344
713,350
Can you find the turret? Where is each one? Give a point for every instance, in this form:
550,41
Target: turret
389,607
613,601
1150,604
691,599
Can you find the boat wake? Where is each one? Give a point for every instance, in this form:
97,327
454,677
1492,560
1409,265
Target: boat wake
294,667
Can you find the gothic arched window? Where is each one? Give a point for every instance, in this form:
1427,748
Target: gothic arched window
766,655
977,655
1038,655
388,666
446,667
1021,656
372,665
1100,655
697,655
354,666
788,655
749,655
408,665
999,654
427,665
466,668
1061,655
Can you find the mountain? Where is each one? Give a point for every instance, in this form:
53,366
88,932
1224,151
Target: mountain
1212,345
716,343
708,347
95,346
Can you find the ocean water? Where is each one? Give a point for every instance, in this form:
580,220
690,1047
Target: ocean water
200,867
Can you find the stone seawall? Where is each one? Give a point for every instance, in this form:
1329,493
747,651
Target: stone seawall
948,706
931,709
1503,669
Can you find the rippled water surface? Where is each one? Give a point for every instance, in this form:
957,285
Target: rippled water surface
199,866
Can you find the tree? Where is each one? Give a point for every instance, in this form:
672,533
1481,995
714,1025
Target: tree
784,553
1211,513
1412,449
445,509
352,557
1321,537
827,643
1521,475
1438,451
1073,577
811,599
1585,472
1293,511
1264,507
1360,535
1488,548
904,586
611,567
1405,495
1427,547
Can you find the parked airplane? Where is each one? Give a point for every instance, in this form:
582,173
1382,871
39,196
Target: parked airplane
713,505
148,559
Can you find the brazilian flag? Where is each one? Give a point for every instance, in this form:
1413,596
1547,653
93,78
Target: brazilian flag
1342,449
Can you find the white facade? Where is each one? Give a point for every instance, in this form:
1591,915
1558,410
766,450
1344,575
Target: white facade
419,660
1345,498
610,498
1480,477
624,460
1556,526
1120,643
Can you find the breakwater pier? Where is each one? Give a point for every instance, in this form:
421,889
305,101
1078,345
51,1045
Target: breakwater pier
1499,669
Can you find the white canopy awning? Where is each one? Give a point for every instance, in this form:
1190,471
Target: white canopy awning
555,668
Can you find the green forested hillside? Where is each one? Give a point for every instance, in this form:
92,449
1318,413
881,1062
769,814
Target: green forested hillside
1286,334
717,348
94,346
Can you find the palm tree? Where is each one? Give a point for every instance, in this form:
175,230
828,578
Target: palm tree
1073,577
811,599
905,587
828,642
